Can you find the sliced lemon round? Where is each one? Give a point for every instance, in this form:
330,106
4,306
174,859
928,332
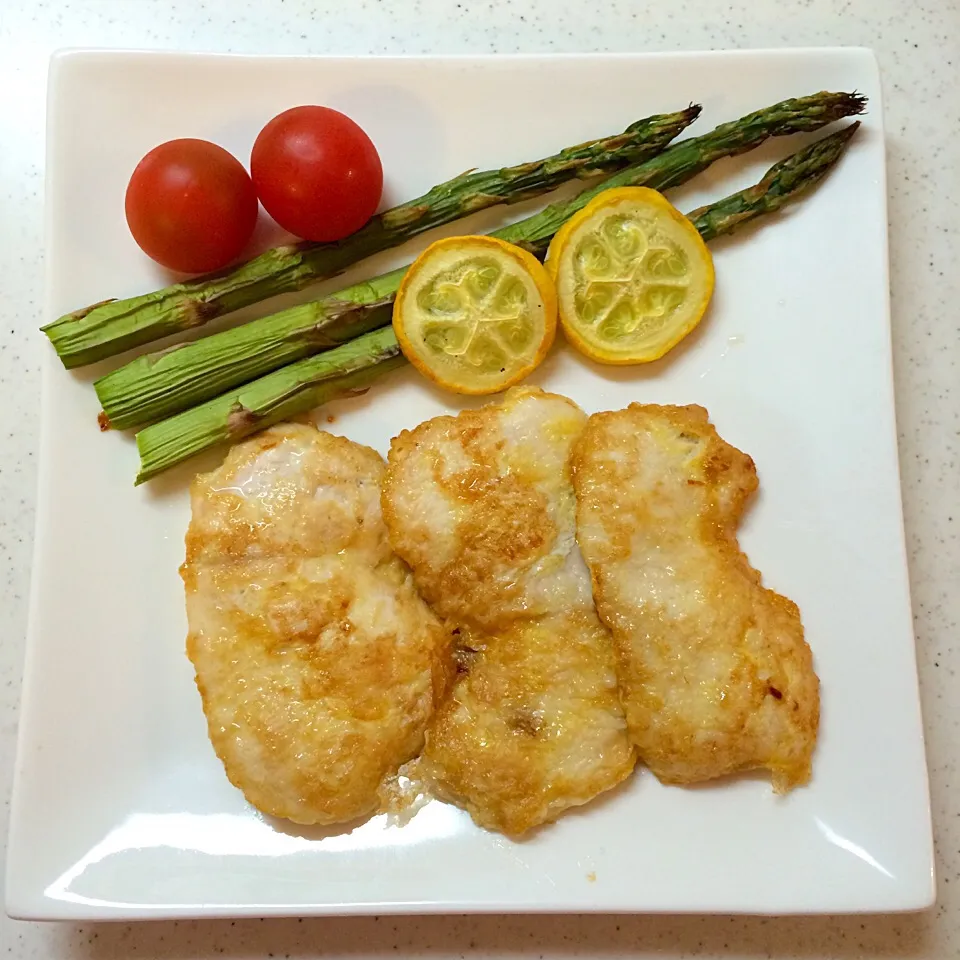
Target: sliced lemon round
633,276
475,314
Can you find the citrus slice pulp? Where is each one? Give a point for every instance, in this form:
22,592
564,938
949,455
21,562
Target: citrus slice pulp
475,314
633,276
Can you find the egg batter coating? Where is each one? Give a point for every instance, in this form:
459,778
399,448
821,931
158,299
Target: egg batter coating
714,671
481,506
318,664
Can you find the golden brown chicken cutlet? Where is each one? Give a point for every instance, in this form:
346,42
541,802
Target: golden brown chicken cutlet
481,506
714,671
318,664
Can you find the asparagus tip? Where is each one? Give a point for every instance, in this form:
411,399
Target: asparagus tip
849,130
858,103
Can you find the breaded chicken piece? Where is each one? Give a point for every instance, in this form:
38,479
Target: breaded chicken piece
481,506
318,663
714,671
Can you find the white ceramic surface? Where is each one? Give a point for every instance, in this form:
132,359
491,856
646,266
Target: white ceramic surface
120,807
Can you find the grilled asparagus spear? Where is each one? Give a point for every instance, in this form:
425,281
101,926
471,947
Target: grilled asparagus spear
353,366
163,383
108,328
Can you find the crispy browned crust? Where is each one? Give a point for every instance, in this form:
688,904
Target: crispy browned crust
495,751
318,664
481,506
715,674
504,522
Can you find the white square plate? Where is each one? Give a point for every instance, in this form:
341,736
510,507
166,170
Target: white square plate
121,809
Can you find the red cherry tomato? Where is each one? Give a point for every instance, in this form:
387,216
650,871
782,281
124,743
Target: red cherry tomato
316,173
191,206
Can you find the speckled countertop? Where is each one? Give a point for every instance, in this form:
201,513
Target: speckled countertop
918,44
